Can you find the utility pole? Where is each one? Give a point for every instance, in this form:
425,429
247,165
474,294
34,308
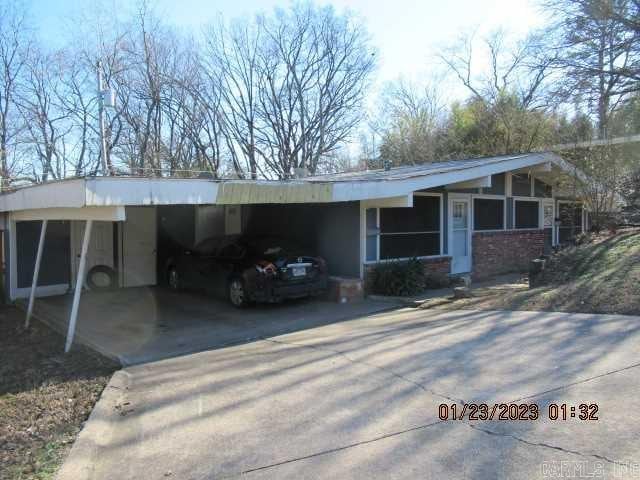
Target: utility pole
106,170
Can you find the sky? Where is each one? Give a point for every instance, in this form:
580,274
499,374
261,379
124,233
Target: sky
407,34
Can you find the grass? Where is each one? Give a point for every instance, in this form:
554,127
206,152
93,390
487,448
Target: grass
602,276
45,396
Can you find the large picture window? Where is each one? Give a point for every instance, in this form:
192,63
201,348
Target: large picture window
526,214
488,214
404,232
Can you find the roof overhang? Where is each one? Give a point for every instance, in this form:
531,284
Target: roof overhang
92,193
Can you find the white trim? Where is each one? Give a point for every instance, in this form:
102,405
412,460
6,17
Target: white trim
489,197
513,213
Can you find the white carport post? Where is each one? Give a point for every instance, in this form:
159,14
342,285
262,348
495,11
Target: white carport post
36,271
79,282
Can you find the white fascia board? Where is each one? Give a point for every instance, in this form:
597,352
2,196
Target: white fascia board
67,193
148,191
104,214
348,191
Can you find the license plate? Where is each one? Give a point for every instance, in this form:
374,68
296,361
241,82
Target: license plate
299,271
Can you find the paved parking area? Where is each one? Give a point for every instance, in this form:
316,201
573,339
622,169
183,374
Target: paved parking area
136,325
359,399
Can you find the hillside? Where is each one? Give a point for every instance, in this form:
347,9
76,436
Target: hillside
602,276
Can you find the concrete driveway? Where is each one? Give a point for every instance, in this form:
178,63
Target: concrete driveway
144,324
359,399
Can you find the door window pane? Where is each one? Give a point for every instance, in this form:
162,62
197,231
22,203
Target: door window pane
460,219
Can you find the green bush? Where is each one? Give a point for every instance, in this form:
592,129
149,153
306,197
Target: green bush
399,278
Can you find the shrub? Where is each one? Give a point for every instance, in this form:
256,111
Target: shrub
399,278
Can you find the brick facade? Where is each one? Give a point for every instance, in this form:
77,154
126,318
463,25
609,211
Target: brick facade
505,251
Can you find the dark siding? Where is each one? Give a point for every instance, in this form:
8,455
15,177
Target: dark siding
56,257
176,232
339,238
331,231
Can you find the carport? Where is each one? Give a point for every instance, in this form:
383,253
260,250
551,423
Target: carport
55,233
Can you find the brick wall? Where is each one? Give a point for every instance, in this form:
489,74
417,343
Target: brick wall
507,251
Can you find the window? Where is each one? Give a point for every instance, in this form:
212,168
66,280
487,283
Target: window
404,232
526,214
521,185
488,214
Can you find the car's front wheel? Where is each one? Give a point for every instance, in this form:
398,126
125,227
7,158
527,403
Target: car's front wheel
237,293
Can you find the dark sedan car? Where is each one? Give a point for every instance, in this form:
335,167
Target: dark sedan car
247,270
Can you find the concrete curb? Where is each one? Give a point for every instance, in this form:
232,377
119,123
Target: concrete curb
97,431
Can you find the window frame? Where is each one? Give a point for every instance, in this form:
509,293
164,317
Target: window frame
489,197
380,234
540,213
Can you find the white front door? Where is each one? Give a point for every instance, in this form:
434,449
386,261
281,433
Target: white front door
139,247
460,233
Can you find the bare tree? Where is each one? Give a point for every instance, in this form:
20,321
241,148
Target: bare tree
413,122
45,119
15,42
314,74
231,65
